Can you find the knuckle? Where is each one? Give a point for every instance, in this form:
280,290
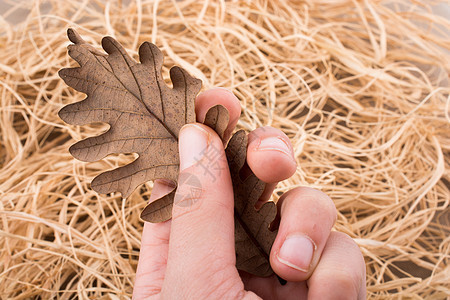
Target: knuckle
320,199
346,242
146,291
342,281
345,283
344,238
347,246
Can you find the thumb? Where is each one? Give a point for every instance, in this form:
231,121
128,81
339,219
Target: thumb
201,247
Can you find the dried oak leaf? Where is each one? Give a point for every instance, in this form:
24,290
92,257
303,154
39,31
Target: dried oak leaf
144,114
253,239
145,117
160,210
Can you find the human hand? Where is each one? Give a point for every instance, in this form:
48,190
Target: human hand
192,256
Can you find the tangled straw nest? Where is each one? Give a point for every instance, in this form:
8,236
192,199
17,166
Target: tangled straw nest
360,87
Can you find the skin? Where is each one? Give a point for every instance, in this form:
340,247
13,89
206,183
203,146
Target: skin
192,256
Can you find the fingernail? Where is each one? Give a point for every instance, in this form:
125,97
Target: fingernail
277,144
297,252
193,142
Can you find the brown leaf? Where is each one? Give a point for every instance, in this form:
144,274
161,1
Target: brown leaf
253,239
160,210
145,117
217,118
144,114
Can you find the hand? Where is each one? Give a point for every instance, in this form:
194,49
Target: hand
192,256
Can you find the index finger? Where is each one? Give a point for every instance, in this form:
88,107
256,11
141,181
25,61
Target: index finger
342,268
307,216
217,96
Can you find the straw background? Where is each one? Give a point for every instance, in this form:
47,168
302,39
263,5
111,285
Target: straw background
360,87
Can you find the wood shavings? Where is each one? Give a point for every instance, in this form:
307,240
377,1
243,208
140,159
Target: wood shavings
362,90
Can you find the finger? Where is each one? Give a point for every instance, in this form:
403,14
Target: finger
307,216
155,237
341,272
201,248
265,196
270,156
154,249
216,96
270,287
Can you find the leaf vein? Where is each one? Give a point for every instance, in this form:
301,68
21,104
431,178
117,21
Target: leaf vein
124,139
159,87
134,173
